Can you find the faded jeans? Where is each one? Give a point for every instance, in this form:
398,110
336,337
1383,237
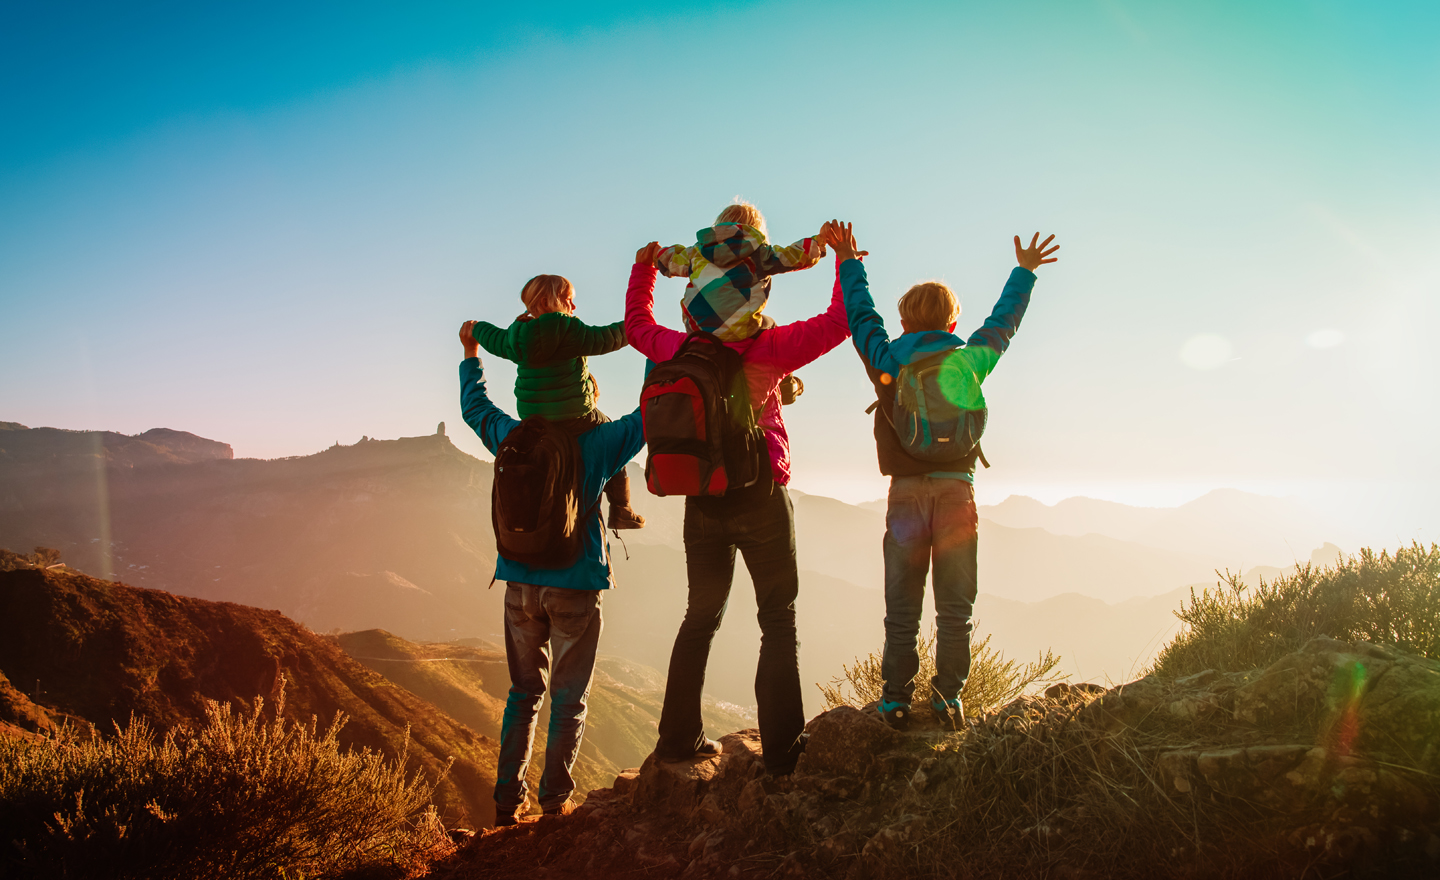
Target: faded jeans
551,634
759,521
928,518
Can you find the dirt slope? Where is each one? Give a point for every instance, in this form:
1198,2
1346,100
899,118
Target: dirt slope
74,645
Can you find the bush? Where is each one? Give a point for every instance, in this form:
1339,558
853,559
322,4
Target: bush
1374,598
43,557
240,797
993,682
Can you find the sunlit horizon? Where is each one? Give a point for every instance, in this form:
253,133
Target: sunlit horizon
266,229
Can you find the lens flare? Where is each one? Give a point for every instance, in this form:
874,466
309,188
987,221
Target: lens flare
1345,693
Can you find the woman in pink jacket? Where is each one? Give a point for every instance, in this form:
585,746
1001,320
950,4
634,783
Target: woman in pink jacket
759,520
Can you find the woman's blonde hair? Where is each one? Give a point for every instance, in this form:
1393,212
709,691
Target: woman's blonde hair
548,293
929,305
742,211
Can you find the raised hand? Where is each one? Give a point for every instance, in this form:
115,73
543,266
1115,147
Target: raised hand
467,339
1033,257
842,239
647,254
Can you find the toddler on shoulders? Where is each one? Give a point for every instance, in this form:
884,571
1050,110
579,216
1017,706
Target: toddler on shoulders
729,268
550,345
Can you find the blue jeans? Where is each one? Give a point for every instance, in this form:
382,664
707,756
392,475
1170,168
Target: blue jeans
551,634
928,518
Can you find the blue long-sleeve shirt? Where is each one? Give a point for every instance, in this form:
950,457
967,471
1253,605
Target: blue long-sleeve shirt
967,368
604,450
980,352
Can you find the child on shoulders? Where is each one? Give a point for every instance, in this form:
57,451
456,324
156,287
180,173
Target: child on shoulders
549,346
729,268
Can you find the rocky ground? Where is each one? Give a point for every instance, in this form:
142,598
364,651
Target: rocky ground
1325,764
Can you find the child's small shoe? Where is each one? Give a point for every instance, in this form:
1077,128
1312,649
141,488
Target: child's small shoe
624,518
950,712
897,715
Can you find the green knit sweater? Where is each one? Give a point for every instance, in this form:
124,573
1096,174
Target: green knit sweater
552,380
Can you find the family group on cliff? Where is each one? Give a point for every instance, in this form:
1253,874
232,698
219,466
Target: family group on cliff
710,409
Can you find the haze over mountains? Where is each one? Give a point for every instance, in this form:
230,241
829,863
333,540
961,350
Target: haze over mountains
396,535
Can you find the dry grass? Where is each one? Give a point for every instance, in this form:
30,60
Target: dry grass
993,682
1029,792
1369,597
239,797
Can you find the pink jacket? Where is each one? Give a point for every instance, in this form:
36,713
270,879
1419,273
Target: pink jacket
769,356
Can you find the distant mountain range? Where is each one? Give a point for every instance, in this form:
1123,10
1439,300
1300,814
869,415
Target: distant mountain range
1238,529
396,535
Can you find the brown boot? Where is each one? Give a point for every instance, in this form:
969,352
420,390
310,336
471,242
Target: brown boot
624,518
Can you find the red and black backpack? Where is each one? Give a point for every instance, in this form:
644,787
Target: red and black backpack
535,501
699,425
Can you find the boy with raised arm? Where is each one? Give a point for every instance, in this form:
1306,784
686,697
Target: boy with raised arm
929,451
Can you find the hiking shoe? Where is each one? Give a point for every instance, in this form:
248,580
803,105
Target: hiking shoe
708,749
624,518
950,712
792,758
564,809
897,715
505,820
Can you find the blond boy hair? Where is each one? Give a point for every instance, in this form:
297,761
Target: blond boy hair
929,305
548,293
743,212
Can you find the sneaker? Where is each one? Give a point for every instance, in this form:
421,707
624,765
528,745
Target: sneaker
624,518
950,712
564,809
708,749
897,715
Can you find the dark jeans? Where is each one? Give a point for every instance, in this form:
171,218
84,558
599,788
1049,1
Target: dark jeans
550,638
760,521
617,489
928,517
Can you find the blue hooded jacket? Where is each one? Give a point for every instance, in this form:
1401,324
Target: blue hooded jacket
884,357
604,450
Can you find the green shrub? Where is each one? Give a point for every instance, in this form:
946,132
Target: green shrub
1375,598
993,682
239,797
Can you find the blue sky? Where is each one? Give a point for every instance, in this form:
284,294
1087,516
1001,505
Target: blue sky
263,223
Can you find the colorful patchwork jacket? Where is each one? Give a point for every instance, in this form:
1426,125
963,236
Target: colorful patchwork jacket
729,268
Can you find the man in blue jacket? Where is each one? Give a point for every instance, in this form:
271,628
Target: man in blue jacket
931,507
552,616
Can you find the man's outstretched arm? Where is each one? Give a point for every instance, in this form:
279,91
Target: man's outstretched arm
483,416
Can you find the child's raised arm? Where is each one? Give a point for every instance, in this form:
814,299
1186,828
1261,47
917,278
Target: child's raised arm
773,259
675,261
583,340
494,340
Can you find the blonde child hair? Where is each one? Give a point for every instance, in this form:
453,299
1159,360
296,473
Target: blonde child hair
741,211
929,305
548,293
